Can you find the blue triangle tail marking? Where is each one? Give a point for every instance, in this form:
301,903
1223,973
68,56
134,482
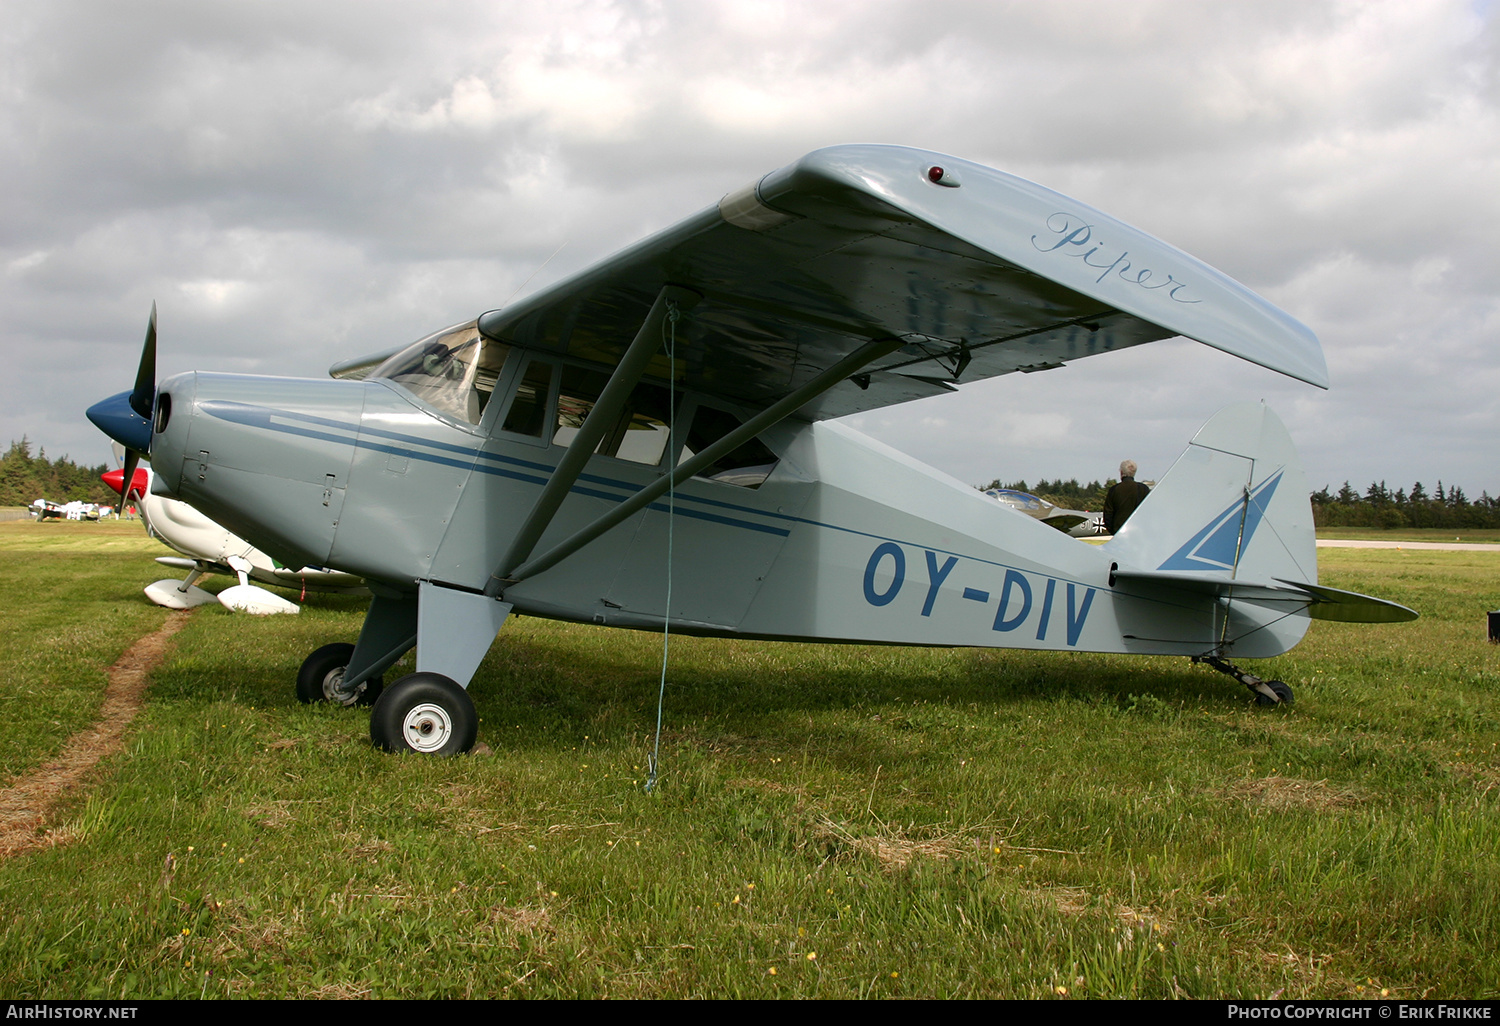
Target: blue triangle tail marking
1215,547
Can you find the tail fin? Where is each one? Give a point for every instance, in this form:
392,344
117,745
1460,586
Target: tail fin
1231,523
1234,505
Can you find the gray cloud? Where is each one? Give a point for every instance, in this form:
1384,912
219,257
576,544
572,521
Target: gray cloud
298,183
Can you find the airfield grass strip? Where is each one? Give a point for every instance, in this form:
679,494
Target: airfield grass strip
26,804
71,605
836,821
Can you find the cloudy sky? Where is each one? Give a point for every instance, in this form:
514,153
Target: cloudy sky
295,183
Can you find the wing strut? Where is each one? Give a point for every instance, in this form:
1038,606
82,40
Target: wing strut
851,364
600,419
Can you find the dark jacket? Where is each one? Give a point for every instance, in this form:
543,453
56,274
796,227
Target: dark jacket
1121,501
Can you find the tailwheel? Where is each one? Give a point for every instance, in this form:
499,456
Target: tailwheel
1266,692
427,713
321,678
1283,694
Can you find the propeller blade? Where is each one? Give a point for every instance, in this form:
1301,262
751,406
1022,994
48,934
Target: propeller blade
144,396
132,460
126,417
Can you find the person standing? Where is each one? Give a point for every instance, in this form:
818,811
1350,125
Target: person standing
1121,500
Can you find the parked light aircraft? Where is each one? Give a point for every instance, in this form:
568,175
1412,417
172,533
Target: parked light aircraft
46,509
1079,523
208,548
671,412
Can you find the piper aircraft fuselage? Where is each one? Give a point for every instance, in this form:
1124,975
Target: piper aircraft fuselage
681,397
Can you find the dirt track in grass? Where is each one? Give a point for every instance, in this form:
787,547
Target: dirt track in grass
27,804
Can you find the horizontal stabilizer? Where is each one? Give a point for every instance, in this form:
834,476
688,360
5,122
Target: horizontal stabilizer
1351,606
1323,603
1219,585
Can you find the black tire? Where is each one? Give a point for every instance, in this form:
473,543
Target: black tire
322,675
1282,692
426,713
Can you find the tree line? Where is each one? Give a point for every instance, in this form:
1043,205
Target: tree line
1378,506
1068,494
24,477
1447,508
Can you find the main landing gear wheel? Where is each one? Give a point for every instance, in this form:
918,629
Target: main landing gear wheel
1283,694
321,678
427,713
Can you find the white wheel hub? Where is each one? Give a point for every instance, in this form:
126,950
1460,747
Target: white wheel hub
427,727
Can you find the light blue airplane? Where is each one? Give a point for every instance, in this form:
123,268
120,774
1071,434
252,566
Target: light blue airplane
1079,523
667,419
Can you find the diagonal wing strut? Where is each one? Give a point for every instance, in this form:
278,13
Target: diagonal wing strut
506,575
606,410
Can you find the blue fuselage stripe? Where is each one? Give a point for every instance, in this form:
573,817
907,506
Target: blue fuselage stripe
260,416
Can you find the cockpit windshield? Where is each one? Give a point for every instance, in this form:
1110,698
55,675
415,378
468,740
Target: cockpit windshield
453,370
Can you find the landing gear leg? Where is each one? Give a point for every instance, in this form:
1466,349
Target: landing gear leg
430,711
1267,692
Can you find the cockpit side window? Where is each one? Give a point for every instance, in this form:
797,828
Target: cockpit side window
453,370
528,410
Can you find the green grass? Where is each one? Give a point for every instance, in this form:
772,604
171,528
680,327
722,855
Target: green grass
68,609
831,821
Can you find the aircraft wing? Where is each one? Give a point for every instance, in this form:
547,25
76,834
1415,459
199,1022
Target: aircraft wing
207,566
1065,522
980,273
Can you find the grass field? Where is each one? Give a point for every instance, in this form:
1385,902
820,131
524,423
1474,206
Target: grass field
1422,534
832,821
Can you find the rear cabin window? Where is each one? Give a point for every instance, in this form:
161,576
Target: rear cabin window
748,466
638,435
641,432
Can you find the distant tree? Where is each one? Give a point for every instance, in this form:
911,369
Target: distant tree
15,474
24,477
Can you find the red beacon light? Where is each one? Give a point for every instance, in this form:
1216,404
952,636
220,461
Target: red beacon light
940,176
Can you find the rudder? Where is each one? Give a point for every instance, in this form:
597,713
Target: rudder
1234,504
